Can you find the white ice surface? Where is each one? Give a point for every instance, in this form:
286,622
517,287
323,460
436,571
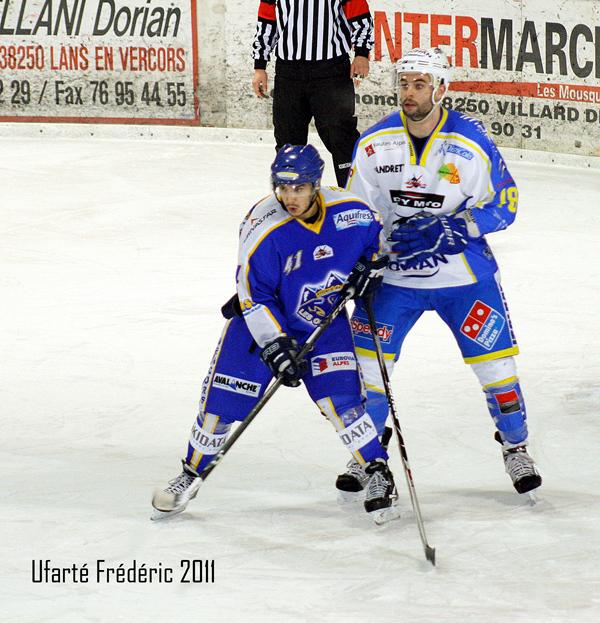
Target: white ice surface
115,258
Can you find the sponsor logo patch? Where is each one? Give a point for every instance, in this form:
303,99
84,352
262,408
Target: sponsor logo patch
483,324
235,385
369,150
205,442
359,433
322,251
389,168
352,218
419,201
460,151
449,172
332,362
361,328
257,222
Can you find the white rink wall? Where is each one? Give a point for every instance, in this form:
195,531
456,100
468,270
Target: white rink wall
529,69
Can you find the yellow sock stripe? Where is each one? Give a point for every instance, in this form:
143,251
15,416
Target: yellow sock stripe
372,354
510,379
507,352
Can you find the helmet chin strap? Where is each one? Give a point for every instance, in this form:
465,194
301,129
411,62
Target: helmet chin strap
433,102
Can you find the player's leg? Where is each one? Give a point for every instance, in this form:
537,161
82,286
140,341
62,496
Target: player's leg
479,318
396,310
333,107
236,380
334,383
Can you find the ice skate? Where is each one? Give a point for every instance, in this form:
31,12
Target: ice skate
520,467
175,497
351,483
380,492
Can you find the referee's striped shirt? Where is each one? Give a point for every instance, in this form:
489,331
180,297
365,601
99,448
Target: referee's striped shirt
311,30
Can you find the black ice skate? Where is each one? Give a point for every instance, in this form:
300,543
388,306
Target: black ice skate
175,497
520,467
380,492
351,483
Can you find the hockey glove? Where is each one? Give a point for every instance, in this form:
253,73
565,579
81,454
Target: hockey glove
422,236
366,276
281,355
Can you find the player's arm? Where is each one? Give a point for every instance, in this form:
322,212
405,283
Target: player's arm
367,274
493,206
257,284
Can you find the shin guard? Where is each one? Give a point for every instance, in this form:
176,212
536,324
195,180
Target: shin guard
507,408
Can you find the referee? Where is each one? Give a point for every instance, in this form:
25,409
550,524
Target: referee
314,77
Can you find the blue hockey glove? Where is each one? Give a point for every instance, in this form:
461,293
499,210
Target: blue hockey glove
366,276
281,355
421,237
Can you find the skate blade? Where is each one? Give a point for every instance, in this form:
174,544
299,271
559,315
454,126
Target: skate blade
163,515
385,515
531,497
350,497
163,501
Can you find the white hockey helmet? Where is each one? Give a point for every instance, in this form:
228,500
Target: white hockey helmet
430,61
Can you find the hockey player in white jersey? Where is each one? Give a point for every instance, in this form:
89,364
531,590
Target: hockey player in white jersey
300,249
441,186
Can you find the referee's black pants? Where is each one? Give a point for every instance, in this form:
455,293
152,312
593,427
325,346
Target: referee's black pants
325,91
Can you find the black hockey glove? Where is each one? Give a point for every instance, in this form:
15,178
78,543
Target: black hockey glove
366,276
281,355
424,234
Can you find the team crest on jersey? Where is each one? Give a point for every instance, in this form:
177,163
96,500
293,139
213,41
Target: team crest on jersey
449,172
317,300
415,182
332,362
483,324
322,252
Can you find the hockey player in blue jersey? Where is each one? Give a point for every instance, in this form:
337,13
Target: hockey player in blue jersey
441,185
299,249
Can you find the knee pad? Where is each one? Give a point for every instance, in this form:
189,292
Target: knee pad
507,408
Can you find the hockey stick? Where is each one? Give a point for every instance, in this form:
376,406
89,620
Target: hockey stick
273,387
429,551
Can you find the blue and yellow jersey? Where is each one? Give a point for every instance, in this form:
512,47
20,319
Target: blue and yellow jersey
459,168
290,273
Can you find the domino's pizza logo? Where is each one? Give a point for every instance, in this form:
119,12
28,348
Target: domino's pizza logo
483,324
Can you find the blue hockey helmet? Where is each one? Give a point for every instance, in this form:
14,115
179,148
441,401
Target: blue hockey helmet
297,164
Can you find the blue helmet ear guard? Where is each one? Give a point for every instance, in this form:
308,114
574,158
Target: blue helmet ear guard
297,164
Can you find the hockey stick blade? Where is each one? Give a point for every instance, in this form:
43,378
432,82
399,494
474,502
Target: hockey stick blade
430,554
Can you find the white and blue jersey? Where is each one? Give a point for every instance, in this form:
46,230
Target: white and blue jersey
290,272
459,168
